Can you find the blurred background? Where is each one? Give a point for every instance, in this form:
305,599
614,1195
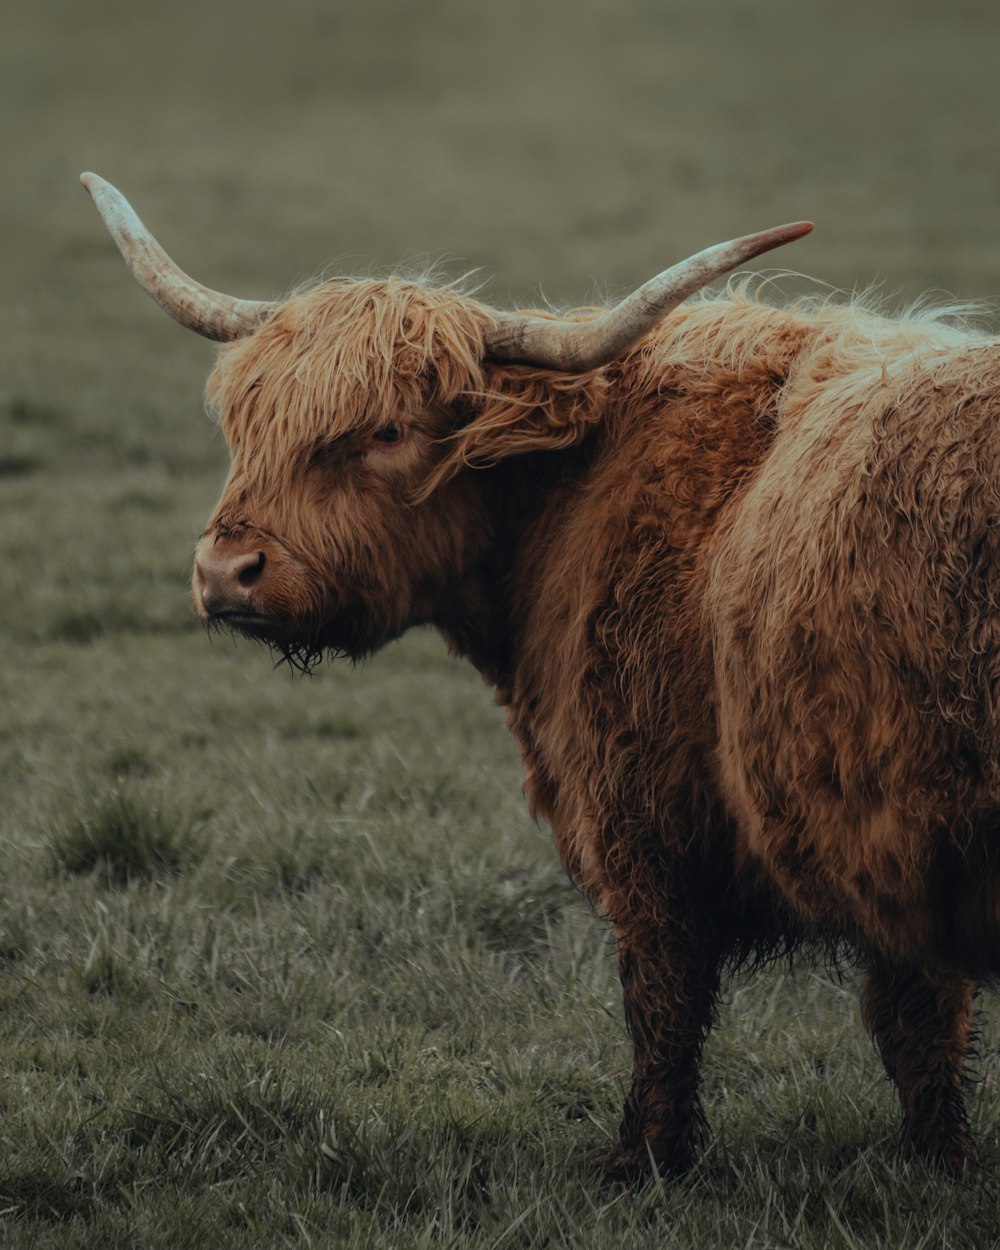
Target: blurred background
562,148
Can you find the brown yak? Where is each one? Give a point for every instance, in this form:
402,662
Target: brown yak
733,573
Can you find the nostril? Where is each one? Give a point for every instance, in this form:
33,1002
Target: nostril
251,568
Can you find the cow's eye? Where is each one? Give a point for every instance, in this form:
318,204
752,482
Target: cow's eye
391,433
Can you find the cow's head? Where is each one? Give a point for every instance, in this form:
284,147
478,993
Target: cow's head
355,413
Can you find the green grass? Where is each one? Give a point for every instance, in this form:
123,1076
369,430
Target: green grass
283,962
122,836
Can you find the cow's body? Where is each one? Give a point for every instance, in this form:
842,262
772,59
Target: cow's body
755,641
736,585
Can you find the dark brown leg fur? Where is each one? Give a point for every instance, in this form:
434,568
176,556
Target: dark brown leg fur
670,977
922,1025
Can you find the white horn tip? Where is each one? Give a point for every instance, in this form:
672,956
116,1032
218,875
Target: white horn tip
101,191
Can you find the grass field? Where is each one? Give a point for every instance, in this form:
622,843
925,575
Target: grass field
283,962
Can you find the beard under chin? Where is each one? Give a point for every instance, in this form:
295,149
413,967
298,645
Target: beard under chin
350,635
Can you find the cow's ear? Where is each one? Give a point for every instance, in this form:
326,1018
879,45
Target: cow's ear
521,410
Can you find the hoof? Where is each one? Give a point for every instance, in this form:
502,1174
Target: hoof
957,1159
631,1168
621,1169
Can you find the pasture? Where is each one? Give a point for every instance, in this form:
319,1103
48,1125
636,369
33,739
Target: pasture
283,961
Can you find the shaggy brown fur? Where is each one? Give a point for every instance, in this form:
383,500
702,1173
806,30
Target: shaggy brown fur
737,592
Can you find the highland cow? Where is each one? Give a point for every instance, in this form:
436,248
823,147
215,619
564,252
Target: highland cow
733,571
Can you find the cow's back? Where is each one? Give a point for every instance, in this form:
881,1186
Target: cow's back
853,602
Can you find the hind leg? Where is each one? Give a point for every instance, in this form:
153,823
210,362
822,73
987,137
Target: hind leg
922,1024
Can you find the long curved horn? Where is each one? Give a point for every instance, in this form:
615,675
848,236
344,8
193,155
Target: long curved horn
209,313
576,346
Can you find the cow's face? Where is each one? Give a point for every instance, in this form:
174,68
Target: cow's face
338,412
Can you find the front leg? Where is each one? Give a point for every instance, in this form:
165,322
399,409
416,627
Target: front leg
670,967
922,1025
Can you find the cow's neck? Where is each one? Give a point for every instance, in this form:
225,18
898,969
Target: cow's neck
478,615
